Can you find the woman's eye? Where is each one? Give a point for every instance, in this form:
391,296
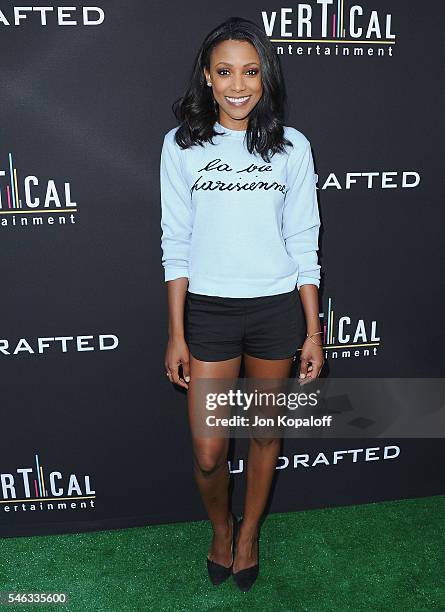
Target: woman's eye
252,71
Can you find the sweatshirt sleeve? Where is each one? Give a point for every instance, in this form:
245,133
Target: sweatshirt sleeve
301,220
176,217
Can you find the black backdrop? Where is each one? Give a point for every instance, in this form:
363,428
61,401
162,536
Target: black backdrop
93,434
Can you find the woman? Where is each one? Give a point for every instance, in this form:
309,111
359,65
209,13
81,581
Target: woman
240,227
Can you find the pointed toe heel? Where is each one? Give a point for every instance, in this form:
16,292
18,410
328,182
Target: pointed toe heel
245,578
219,573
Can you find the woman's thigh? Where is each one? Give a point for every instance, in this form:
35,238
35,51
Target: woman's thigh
227,373
269,376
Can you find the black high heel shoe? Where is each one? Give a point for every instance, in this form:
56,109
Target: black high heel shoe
245,578
217,572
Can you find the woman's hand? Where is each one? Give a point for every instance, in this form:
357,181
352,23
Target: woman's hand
177,353
311,361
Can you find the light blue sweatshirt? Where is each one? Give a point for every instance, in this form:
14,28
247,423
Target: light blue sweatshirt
234,225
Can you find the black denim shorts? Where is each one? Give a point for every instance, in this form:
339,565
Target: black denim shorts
267,327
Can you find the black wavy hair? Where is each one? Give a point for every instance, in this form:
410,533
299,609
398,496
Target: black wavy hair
197,109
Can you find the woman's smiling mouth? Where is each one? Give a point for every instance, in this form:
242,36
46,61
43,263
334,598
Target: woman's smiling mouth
237,101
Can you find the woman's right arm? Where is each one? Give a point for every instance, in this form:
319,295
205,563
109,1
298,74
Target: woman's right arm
177,225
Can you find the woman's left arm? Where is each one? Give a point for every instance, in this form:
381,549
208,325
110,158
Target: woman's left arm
311,358
301,224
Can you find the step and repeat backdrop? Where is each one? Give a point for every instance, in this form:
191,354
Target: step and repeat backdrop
93,435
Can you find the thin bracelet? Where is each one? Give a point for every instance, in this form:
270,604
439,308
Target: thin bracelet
314,334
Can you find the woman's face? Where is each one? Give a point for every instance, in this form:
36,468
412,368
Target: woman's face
235,74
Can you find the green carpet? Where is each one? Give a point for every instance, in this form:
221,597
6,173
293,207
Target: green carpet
387,556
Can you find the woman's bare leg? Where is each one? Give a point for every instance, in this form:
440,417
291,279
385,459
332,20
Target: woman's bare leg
261,464
210,460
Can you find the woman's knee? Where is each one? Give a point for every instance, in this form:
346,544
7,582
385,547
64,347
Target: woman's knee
209,462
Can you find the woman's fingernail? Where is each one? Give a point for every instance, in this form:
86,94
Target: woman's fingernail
302,375
187,379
